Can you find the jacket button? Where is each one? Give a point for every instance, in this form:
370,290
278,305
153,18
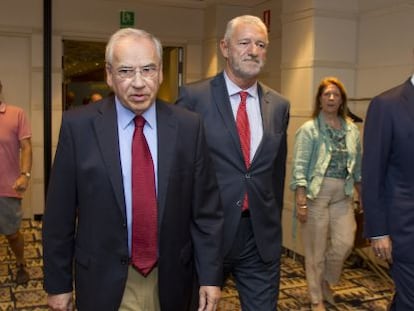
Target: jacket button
247,176
239,203
124,261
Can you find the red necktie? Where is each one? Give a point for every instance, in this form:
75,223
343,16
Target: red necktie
243,128
144,203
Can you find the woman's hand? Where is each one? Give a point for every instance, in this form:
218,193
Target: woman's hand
302,213
301,207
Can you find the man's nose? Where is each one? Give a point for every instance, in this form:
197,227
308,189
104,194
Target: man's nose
138,80
253,50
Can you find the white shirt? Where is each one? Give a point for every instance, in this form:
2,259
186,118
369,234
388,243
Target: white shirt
253,111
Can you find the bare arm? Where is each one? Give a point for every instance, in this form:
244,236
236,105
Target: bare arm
22,182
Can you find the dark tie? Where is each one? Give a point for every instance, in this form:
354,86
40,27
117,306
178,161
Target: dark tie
144,203
243,128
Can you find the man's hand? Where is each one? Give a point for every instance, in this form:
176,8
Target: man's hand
209,298
60,302
21,184
382,248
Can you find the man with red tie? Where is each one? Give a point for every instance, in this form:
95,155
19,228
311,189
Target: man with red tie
246,124
133,203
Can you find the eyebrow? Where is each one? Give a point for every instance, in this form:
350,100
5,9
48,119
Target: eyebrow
143,66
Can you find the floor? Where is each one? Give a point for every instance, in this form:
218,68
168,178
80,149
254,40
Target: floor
359,289
23,297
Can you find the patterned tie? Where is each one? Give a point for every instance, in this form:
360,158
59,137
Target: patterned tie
243,128
144,203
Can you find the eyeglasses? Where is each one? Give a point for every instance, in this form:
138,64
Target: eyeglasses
146,72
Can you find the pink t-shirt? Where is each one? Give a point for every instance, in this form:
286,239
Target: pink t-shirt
14,126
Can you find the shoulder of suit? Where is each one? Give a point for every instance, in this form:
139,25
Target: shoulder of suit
176,110
203,81
267,90
79,113
393,93
203,84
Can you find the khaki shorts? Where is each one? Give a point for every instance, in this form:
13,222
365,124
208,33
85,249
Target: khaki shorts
10,215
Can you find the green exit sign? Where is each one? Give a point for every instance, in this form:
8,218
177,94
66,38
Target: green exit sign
127,19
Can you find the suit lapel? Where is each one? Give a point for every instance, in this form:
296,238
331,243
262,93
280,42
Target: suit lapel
407,97
106,128
222,102
264,101
167,136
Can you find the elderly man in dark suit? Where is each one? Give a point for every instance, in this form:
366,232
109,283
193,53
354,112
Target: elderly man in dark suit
133,202
246,125
388,186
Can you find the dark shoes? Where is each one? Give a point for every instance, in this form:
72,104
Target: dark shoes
22,277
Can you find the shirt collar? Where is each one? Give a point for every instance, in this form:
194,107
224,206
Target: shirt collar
412,79
233,89
126,116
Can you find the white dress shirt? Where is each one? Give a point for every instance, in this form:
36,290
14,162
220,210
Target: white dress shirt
253,111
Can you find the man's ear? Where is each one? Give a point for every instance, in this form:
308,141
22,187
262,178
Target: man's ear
160,76
224,48
109,77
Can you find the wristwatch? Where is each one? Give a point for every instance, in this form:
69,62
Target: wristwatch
27,174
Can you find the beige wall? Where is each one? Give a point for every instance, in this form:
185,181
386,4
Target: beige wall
319,39
366,43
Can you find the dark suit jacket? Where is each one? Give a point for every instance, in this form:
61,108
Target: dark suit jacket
85,213
388,169
264,180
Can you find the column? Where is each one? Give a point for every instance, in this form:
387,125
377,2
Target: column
319,38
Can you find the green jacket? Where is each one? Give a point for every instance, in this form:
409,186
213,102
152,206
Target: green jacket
312,153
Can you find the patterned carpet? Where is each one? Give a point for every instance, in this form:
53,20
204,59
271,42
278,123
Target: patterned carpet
360,289
23,297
